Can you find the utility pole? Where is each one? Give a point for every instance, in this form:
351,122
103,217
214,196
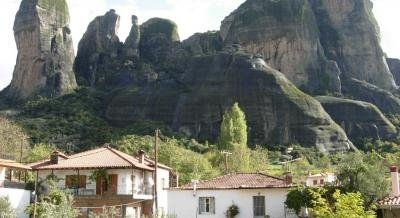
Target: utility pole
225,153
155,169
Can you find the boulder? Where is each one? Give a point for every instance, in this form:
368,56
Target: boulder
359,119
45,50
98,50
193,103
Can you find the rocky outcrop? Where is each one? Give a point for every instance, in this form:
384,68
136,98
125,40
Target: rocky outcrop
286,34
361,90
350,36
45,50
193,103
98,50
394,66
359,119
131,45
204,43
157,39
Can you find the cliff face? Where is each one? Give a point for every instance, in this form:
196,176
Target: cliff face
359,119
98,48
286,34
394,66
45,50
193,104
350,36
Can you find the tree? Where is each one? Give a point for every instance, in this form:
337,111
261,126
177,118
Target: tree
39,152
350,205
13,141
364,174
6,211
233,129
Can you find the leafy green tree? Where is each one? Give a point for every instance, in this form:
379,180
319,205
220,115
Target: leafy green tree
6,211
364,174
12,140
233,129
350,205
39,152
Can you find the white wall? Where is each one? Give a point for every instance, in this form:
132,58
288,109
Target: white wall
162,177
18,198
184,204
327,179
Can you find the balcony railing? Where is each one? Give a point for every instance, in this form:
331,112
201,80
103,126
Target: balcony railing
121,190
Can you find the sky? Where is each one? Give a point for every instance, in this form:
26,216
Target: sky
191,16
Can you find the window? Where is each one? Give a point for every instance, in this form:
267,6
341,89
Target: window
321,181
72,181
315,182
259,206
206,205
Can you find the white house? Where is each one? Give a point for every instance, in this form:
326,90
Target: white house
128,183
12,186
255,194
320,179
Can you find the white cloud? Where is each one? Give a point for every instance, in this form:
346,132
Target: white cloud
190,15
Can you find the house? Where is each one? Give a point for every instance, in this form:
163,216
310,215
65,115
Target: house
108,177
389,207
13,187
256,195
320,179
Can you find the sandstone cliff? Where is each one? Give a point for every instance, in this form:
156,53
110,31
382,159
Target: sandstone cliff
45,50
359,119
193,104
98,48
350,36
286,34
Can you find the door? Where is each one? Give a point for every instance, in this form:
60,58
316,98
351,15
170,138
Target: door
259,206
112,184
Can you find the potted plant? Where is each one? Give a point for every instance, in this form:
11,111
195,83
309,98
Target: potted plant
232,211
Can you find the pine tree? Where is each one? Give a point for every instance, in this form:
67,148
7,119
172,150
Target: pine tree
233,129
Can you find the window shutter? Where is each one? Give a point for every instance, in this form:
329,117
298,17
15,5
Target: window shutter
201,205
212,205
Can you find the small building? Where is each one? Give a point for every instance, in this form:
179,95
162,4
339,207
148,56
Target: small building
389,207
320,179
256,195
13,187
129,183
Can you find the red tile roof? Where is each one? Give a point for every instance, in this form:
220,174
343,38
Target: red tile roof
389,201
105,157
13,165
240,181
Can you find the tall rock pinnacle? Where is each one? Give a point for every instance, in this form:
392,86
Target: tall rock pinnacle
45,50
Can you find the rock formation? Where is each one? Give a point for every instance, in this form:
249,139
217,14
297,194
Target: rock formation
97,51
350,36
359,119
286,34
394,66
131,45
45,50
383,99
276,111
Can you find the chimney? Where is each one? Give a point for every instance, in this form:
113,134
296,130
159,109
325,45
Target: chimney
54,157
141,156
288,177
395,181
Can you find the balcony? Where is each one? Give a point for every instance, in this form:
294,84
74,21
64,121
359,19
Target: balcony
144,192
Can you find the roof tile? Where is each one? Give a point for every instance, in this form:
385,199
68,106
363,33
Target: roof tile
240,181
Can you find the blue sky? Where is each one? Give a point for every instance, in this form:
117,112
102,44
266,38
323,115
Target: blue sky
190,15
